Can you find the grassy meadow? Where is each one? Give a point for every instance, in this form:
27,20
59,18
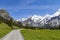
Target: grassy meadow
42,34
4,29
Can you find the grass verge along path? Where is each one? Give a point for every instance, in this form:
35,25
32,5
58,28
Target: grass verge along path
41,34
4,29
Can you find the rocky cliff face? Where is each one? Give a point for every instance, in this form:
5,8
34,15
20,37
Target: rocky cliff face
4,14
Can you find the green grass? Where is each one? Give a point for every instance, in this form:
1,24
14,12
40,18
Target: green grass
41,34
4,29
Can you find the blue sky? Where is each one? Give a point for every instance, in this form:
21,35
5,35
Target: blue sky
24,8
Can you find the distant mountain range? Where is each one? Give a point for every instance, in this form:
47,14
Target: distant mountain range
39,21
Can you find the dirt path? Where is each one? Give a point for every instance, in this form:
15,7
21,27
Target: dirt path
14,35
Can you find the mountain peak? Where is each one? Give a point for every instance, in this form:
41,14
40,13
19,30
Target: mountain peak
35,18
57,13
47,15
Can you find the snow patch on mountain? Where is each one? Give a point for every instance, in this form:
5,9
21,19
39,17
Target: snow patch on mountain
47,16
36,18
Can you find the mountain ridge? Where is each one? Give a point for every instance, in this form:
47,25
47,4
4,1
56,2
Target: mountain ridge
37,20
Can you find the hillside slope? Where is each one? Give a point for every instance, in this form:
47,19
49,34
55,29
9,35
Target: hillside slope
4,29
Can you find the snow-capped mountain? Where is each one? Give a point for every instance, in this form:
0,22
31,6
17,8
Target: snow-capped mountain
31,20
37,20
